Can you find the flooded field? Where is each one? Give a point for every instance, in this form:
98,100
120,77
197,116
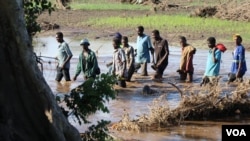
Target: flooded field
131,99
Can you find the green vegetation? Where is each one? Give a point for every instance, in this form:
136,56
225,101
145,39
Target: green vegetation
32,8
175,23
87,99
105,5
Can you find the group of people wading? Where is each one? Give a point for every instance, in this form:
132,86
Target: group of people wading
127,60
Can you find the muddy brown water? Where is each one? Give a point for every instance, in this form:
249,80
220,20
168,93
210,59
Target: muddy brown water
131,99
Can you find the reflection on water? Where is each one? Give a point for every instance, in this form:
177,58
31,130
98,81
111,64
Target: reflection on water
135,103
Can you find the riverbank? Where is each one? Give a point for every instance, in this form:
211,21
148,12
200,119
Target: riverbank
70,23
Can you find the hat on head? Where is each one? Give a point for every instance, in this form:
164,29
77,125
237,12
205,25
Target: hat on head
118,35
84,42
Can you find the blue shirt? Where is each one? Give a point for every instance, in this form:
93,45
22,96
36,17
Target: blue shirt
239,57
213,68
143,45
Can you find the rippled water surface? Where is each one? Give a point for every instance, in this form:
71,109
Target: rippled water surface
132,100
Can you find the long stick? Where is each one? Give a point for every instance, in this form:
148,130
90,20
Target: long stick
180,91
48,57
96,52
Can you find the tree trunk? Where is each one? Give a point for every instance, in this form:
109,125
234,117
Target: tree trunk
61,4
28,110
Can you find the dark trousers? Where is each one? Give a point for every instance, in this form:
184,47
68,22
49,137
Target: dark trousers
186,76
131,71
62,73
232,77
160,70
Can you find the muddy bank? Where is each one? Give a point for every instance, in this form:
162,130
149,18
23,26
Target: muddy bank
71,24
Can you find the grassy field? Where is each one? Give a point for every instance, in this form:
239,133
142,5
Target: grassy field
105,5
179,23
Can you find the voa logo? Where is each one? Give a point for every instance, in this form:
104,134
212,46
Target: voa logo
236,132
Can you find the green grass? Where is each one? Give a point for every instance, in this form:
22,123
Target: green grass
175,23
105,5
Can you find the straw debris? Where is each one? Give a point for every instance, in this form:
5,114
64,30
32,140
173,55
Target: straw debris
210,102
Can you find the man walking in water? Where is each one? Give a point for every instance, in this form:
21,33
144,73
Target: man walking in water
129,53
239,67
186,69
143,47
161,50
87,63
213,62
63,55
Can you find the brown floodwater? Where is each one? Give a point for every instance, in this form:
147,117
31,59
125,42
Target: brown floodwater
131,99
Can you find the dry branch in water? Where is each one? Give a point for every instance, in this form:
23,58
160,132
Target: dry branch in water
210,102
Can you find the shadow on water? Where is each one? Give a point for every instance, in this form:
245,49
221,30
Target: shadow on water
131,99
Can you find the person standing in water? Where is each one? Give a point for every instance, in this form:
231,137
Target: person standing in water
213,62
64,55
161,53
239,67
186,69
87,62
129,52
119,63
143,47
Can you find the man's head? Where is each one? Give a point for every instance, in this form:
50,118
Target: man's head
238,39
124,40
183,41
116,43
155,34
85,44
211,41
59,37
140,30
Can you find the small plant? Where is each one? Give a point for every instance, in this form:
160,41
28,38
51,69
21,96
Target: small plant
87,99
